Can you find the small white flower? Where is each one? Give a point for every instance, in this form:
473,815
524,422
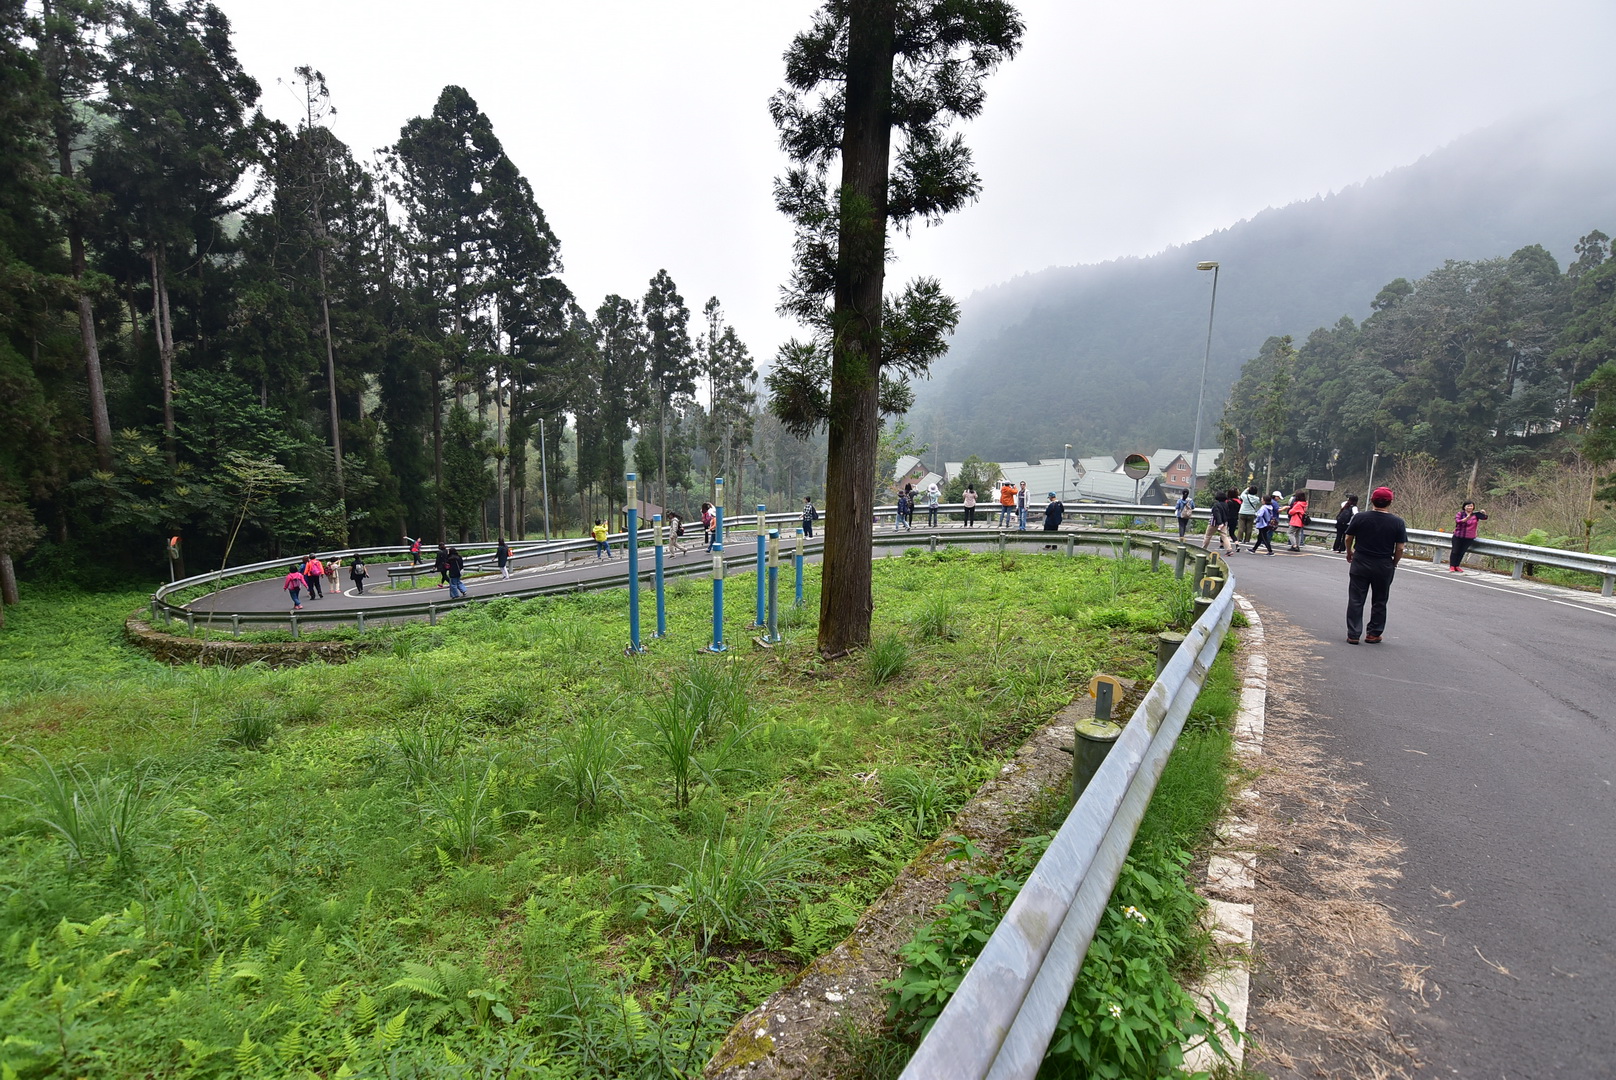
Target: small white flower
1115,1010
1132,912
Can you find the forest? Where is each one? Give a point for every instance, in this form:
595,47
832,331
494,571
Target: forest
216,326
1489,378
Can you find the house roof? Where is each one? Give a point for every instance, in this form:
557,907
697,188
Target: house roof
1112,487
904,465
1103,463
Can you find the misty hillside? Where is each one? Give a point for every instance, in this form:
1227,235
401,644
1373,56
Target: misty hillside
1108,356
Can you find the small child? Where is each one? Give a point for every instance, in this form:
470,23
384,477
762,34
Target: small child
602,548
294,584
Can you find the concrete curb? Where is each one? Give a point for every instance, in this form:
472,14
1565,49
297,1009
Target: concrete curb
1230,872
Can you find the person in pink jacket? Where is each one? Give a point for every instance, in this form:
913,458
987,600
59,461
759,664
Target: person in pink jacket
294,585
1464,534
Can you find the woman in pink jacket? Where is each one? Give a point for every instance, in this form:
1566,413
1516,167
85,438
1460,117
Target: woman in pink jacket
1464,534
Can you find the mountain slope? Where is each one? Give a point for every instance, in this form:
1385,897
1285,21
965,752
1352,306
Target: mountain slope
1109,355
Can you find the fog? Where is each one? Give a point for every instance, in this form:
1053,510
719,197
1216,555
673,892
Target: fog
1120,129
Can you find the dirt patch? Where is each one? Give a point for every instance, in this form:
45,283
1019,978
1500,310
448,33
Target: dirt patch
1327,946
790,1035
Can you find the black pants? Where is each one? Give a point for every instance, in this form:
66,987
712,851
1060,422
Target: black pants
315,591
1461,544
1374,581
931,516
1265,538
970,516
807,527
1340,536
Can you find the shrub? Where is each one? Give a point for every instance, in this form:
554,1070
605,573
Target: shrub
709,699
423,749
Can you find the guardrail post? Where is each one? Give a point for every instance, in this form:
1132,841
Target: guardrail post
932,539
1202,604
1609,587
235,626
1520,569
1127,543
1178,562
1167,644
190,622
294,626
1436,555
432,614
1093,741
1199,559
359,621
1155,555
1001,544
1071,546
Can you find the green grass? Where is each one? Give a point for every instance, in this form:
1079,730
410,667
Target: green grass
466,848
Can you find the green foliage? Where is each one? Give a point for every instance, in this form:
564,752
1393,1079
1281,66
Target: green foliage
705,707
924,800
107,817
935,622
886,658
463,810
585,761
252,725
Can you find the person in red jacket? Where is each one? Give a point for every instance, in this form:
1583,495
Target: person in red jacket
1464,534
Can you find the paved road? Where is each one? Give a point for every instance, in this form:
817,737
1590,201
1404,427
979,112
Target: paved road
1484,725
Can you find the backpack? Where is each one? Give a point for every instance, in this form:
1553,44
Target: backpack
678,526
1185,508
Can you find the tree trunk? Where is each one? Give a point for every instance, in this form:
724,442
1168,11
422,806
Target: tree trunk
331,386
8,580
845,599
164,330
437,447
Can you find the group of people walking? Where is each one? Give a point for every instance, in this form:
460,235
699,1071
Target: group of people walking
311,575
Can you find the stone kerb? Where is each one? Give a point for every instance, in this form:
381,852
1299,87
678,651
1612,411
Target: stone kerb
175,649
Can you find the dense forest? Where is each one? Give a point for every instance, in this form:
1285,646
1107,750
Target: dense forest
1502,367
216,326
1108,357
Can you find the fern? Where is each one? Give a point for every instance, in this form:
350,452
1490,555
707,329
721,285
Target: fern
248,1059
390,1033
331,1000
289,1047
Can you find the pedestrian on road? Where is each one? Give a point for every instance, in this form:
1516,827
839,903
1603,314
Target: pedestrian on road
1249,502
1224,503
1342,517
415,549
906,508
707,520
1374,548
1054,510
933,497
1297,512
440,563
1007,503
1464,534
457,566
676,530
1267,518
294,584
1185,509
502,555
969,498
1021,507
809,515
358,573
603,550
312,573
333,574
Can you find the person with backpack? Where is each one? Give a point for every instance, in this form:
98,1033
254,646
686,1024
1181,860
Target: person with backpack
294,584
809,515
676,529
1465,524
1185,511
1007,503
603,550
708,519
502,555
358,573
1299,519
933,497
906,508
969,499
440,563
1222,504
1054,510
1267,517
415,549
312,573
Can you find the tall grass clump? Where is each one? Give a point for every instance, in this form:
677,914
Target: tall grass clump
935,620
584,764
253,725
424,750
707,701
463,810
108,817
921,799
739,882
886,658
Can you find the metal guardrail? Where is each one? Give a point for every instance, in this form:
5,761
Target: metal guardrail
998,1023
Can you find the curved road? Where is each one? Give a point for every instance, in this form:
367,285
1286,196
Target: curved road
1482,728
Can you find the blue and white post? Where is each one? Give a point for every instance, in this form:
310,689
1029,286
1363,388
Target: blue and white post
718,510
798,561
772,636
633,569
717,644
661,608
762,540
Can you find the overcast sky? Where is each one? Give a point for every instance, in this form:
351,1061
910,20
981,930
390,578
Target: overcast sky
1118,130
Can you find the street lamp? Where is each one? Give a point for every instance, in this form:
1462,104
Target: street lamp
1373,461
1195,450
1064,459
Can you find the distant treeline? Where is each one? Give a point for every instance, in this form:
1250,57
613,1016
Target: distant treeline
1478,367
212,322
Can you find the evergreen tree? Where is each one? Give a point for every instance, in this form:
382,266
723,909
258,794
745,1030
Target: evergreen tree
670,361
865,69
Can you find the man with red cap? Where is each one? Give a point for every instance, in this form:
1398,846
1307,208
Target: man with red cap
1374,548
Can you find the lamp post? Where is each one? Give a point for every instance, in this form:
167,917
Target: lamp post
1064,459
1374,460
1195,450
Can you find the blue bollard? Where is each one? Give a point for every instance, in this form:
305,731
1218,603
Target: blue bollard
718,511
718,600
798,561
633,571
773,636
762,539
661,607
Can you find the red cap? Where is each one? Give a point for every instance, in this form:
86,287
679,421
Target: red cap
1381,494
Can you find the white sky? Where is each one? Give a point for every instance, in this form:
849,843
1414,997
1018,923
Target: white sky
1119,129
